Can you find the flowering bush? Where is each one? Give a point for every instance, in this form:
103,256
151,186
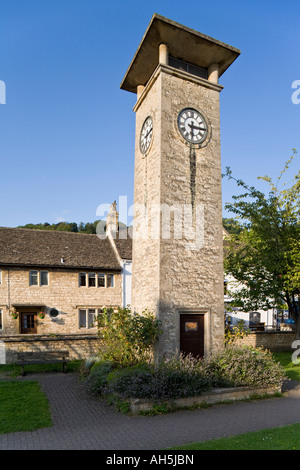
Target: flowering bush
244,366
166,381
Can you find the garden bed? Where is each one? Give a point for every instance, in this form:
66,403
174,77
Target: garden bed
236,373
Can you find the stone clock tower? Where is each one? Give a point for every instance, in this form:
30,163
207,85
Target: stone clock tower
177,269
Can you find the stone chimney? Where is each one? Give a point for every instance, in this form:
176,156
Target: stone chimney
112,220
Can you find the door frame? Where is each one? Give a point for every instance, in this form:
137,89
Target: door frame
197,311
35,322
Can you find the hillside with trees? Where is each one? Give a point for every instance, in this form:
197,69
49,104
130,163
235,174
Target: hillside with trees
230,224
89,227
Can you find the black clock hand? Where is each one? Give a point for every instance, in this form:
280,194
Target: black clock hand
196,127
192,129
149,132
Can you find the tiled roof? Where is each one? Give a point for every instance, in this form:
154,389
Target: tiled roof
29,247
123,242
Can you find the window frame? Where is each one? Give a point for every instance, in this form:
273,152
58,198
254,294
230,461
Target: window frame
87,276
38,278
80,277
48,278
92,277
31,284
112,277
90,317
103,275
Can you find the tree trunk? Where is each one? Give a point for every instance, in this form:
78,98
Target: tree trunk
297,325
293,313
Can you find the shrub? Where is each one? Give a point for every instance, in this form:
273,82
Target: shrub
183,376
127,338
87,364
127,381
176,378
97,378
244,366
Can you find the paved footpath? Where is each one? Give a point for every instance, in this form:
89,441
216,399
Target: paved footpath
82,422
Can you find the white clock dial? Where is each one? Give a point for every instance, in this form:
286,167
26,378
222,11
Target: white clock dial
146,135
192,126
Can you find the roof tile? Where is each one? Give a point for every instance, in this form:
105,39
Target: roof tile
30,247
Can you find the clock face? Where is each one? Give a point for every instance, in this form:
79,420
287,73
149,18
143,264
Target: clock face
192,126
146,135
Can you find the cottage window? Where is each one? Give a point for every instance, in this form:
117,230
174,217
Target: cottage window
91,317
101,280
92,280
82,318
96,280
87,317
33,278
82,279
38,278
110,280
44,278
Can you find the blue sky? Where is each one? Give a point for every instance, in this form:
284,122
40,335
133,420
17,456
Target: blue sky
67,130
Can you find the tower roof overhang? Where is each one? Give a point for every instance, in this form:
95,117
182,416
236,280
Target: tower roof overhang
183,43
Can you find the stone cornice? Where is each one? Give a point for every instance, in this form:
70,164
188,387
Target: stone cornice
177,73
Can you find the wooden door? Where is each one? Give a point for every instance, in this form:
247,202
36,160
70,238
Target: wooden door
28,323
192,334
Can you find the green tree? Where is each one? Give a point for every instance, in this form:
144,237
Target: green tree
231,225
264,257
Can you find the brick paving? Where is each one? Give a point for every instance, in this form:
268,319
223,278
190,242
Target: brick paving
82,422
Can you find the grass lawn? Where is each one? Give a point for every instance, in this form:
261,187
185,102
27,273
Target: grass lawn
282,438
13,371
24,407
292,370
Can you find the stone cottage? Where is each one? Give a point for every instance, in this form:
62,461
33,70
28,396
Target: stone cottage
55,282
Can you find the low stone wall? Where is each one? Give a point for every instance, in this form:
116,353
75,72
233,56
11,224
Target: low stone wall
215,396
275,341
82,346
79,346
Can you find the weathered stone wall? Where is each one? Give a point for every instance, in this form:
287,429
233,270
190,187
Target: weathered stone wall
145,245
273,340
168,276
79,346
62,293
